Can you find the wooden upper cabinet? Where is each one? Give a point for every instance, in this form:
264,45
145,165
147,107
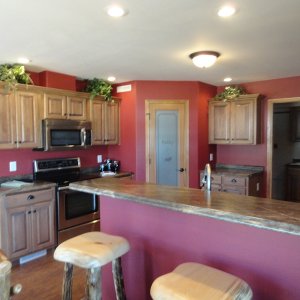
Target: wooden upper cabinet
105,117
8,132
219,122
97,114
62,106
19,120
76,108
235,121
28,120
112,122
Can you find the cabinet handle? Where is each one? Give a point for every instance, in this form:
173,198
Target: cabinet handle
233,180
29,212
34,211
30,197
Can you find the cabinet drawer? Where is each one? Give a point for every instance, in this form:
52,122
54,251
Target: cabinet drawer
28,198
235,190
216,179
234,181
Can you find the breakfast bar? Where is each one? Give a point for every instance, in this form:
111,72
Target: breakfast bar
256,239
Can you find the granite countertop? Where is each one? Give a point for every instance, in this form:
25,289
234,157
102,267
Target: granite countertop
236,170
34,186
276,215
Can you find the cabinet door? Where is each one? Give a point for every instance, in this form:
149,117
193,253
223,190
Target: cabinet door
55,106
219,122
243,122
19,231
295,124
28,120
112,129
97,113
43,229
7,121
76,108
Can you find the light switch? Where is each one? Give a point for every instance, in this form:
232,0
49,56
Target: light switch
99,158
12,166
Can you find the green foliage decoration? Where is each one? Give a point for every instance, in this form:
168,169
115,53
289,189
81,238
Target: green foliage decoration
14,74
230,92
99,87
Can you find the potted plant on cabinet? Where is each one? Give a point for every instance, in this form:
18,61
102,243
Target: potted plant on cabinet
99,87
12,75
230,92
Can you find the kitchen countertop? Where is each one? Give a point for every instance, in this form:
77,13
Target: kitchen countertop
236,170
34,186
276,215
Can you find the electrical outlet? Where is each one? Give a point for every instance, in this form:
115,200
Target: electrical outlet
211,157
12,166
99,158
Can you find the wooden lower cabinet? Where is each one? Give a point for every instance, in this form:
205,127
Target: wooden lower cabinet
249,185
28,224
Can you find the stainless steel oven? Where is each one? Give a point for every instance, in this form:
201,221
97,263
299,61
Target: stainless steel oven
77,212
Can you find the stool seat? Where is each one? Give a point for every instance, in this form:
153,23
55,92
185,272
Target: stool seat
91,249
193,281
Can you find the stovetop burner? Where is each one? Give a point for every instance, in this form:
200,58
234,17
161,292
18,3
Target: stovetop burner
60,170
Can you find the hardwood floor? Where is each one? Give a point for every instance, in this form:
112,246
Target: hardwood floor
41,279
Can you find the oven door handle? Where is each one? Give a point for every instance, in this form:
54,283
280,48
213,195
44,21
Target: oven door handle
63,188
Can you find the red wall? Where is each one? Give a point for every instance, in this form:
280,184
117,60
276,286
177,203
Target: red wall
132,149
126,151
24,158
256,155
160,239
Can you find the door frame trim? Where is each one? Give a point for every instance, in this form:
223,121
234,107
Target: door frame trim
271,103
147,127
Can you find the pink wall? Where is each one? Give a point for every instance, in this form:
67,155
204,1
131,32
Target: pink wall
161,239
24,158
126,151
132,149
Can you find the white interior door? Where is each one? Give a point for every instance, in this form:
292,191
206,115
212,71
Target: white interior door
166,142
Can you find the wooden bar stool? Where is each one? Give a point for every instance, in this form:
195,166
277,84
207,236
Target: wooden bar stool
91,251
194,281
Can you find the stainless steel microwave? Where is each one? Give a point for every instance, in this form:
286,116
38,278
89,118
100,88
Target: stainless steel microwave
59,134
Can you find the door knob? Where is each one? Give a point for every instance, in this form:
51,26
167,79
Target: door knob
181,170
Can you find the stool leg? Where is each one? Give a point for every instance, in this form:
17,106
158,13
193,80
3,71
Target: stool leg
67,282
118,279
93,285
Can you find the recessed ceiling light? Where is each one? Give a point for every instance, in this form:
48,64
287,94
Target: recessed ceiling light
226,11
116,11
111,78
227,79
23,60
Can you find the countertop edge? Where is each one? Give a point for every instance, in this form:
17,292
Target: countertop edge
256,222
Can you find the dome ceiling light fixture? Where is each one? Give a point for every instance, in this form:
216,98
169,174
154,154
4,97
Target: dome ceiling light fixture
204,59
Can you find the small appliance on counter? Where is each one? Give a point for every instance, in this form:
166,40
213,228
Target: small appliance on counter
109,167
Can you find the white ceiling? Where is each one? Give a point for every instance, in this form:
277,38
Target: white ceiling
154,40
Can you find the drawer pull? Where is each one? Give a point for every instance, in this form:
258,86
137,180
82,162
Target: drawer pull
29,212
233,180
30,197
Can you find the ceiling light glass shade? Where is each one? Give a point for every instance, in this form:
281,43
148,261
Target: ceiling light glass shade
226,11
204,59
116,11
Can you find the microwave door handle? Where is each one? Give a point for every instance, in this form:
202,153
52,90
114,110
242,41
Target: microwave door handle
83,137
